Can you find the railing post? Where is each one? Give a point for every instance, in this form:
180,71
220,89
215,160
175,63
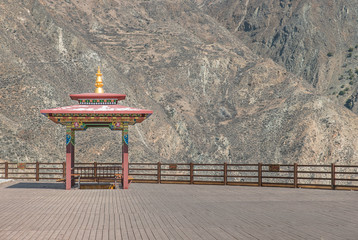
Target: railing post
159,171
333,176
295,175
64,169
259,174
95,171
191,173
6,170
225,173
37,171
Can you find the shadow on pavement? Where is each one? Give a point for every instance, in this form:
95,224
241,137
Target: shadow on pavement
42,185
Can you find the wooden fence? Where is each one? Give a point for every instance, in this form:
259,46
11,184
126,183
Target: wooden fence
280,175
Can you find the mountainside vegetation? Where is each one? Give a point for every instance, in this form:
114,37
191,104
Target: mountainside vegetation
314,39
214,98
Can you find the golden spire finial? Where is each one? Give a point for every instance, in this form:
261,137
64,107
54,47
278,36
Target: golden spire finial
99,83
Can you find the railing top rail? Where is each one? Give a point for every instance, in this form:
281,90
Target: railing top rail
42,163
167,163
281,165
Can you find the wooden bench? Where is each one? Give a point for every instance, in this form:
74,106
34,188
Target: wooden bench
97,174
73,177
118,176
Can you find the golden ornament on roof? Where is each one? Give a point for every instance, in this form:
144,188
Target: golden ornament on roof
99,82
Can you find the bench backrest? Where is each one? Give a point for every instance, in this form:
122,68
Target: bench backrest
98,172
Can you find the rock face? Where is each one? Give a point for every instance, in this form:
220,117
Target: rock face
214,100
310,38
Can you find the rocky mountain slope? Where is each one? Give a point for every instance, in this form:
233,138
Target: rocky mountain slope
314,39
214,100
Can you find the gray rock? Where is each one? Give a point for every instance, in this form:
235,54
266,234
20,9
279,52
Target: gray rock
214,100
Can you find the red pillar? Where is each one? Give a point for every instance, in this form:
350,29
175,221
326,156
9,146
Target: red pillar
125,169
72,144
70,156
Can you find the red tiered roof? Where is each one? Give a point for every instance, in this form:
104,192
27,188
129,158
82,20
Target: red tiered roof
98,96
97,103
97,109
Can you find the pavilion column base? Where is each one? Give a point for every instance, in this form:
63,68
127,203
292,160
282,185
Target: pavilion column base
68,171
125,168
70,157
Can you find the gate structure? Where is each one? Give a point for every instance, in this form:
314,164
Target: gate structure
97,109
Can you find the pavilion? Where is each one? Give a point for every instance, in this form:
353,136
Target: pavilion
97,109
